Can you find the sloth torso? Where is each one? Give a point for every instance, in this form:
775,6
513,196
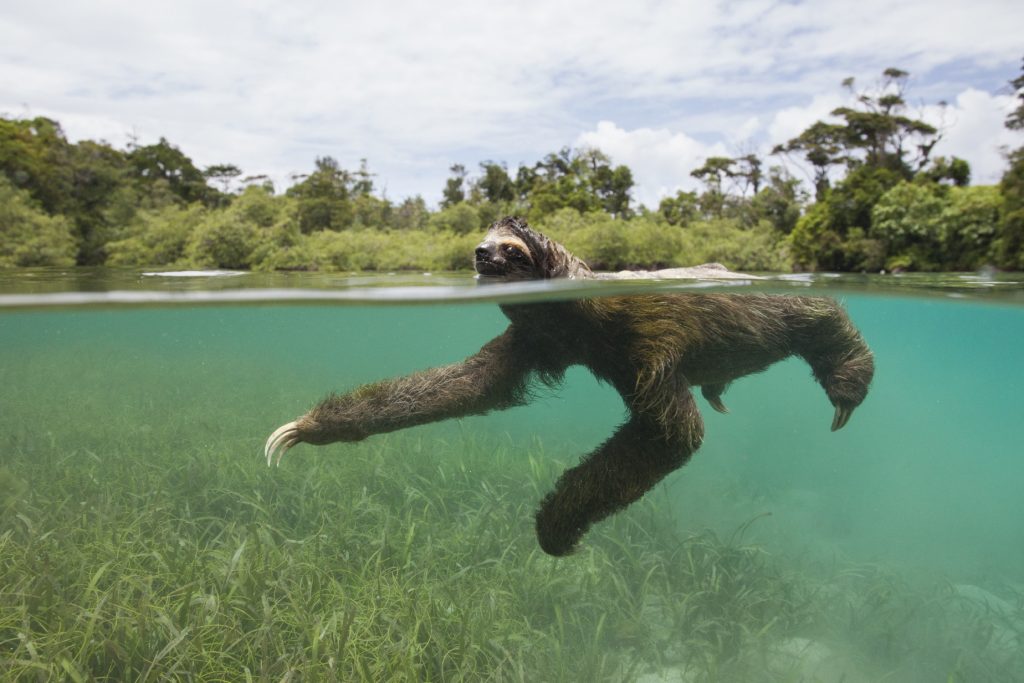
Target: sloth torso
708,339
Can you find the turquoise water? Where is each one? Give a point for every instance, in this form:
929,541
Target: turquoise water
894,547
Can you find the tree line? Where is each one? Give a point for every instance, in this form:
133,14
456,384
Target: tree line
879,201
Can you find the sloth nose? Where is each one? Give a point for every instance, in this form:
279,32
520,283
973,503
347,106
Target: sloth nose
486,250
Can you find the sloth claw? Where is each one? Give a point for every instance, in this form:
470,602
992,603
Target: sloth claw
841,418
717,404
283,438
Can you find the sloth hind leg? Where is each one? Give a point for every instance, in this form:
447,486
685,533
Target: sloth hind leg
616,474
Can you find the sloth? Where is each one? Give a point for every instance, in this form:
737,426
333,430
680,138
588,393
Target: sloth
655,349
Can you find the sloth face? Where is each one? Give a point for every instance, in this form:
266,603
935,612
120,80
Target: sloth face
502,255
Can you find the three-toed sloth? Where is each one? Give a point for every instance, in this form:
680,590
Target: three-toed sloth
655,349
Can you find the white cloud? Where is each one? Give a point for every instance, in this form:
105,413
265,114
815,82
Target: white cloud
661,161
789,122
974,131
415,86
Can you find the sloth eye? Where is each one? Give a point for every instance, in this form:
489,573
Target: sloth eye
512,252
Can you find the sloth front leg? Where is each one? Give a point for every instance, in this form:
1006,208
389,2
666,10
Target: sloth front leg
822,333
494,377
619,472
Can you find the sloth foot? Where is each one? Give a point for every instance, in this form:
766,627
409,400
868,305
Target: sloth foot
283,438
842,417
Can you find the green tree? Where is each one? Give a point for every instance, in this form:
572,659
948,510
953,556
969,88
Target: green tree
1009,244
713,174
780,201
29,236
851,201
953,170
908,220
495,184
324,197
362,180
454,188
1015,120
1008,247
99,172
968,227
411,214
880,129
78,182
682,209
822,144
35,156
747,168
582,179
165,162
224,174
610,184
876,132
813,243
526,178
371,212
156,236
223,240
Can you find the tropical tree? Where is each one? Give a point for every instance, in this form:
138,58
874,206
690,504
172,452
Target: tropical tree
494,184
223,174
454,187
581,179
165,162
324,197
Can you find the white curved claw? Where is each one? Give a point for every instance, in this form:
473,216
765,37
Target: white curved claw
283,438
841,418
717,404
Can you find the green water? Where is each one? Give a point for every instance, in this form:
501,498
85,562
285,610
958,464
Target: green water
142,535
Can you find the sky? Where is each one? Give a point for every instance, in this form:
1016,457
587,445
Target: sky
414,87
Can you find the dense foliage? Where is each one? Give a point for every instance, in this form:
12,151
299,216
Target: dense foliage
881,202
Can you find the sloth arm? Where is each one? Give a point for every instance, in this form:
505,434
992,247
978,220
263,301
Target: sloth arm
493,378
661,434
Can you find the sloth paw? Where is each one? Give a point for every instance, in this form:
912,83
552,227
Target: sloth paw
283,438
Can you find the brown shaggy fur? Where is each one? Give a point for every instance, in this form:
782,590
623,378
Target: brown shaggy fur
653,348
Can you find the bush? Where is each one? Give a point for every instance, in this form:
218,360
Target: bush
157,237
724,241
28,236
391,251
284,247
256,230
223,239
461,219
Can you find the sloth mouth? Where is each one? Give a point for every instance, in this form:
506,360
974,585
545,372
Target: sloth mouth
488,268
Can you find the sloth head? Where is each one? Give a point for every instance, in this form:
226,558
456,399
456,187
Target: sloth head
511,250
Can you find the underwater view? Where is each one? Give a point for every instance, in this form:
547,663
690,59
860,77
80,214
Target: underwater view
143,536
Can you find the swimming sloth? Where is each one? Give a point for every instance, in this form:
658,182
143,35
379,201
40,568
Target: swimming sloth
655,349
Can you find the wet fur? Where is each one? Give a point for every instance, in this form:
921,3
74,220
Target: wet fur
653,348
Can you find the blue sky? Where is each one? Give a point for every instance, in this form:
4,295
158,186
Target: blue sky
415,87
